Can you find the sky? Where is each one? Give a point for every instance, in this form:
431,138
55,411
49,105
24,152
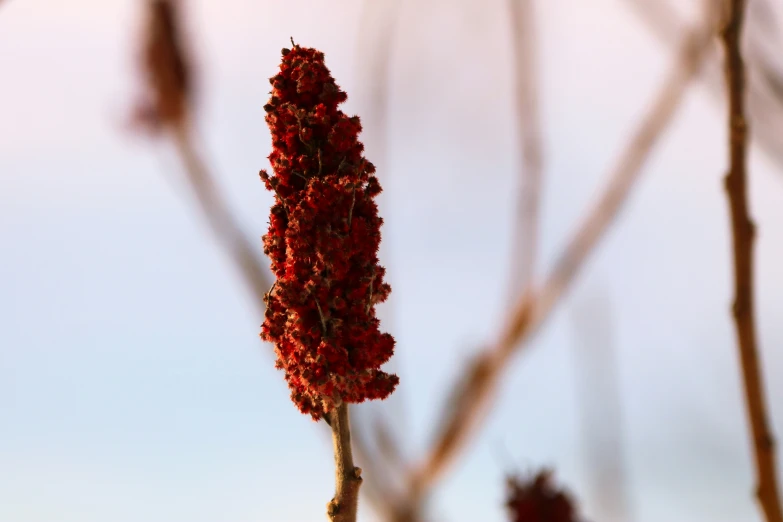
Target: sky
133,384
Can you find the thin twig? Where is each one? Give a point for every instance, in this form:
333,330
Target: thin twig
627,170
743,231
599,404
378,493
168,72
321,315
477,387
375,39
350,210
525,231
381,473
348,478
387,444
215,210
763,104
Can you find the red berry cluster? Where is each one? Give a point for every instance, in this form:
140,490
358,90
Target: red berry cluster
323,240
537,500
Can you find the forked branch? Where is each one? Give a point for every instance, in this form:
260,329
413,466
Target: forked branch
475,390
169,82
743,231
765,103
222,223
525,230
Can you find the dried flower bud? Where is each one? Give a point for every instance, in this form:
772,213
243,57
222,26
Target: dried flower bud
167,69
323,245
537,500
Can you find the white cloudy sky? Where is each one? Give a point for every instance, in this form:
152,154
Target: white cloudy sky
132,382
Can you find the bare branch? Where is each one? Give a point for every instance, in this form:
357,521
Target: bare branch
348,478
222,223
375,490
383,477
476,388
629,167
375,44
743,231
599,404
377,25
765,103
168,73
525,231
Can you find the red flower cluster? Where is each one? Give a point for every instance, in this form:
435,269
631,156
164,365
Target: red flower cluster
537,500
323,240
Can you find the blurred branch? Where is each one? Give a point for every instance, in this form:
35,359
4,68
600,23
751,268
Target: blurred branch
221,221
473,393
599,404
168,109
376,35
743,231
525,231
765,99
380,492
379,428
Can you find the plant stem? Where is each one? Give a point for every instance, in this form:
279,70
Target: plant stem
525,238
348,478
742,235
223,224
478,385
766,108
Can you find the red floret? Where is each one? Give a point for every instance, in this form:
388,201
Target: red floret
323,240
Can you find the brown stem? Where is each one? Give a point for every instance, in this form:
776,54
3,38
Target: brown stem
476,388
348,478
742,236
223,224
169,75
375,43
525,238
766,108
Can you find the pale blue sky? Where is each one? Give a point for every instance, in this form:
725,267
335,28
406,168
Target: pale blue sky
133,386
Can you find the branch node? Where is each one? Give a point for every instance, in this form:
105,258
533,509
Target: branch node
743,231
332,508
